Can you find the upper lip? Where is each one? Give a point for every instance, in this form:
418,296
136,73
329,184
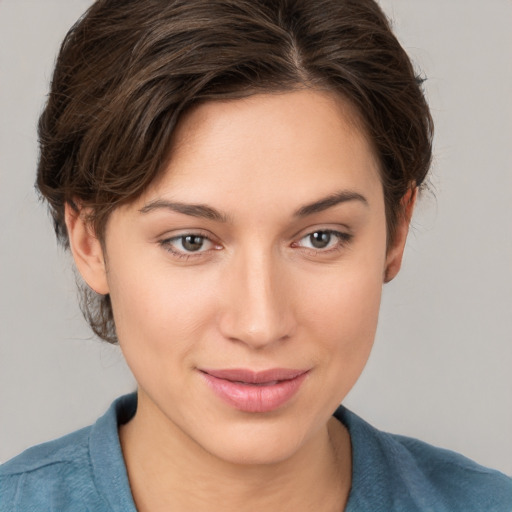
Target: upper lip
254,377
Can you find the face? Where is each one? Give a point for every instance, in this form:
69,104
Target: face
246,281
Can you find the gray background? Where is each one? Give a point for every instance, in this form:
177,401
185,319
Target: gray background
441,369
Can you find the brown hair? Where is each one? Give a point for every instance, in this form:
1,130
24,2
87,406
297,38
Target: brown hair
128,69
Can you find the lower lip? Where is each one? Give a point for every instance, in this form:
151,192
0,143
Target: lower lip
253,397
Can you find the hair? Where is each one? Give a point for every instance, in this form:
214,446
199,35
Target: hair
128,69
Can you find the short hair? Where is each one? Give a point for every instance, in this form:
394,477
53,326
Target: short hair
127,70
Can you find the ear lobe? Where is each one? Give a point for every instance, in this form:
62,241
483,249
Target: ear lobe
86,249
396,251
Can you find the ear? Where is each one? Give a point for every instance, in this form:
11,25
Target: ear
396,250
86,249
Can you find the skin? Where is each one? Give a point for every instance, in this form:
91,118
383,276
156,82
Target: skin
257,294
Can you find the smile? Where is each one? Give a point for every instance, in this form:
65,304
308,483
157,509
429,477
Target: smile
250,391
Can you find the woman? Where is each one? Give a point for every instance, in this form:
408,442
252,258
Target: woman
235,181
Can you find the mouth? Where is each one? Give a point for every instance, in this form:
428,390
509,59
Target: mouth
255,392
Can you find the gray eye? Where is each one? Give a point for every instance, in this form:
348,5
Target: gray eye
320,239
192,242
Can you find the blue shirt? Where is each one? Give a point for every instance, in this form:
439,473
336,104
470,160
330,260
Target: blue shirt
85,471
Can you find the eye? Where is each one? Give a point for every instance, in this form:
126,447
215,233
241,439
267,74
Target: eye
191,243
324,240
187,244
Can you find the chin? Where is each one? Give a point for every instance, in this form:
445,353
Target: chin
256,444
247,453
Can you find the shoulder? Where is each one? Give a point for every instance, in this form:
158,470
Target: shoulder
408,474
81,471
47,473
457,479
64,450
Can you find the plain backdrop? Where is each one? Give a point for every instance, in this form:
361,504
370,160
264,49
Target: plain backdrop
441,369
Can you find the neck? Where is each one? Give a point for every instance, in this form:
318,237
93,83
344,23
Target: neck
169,471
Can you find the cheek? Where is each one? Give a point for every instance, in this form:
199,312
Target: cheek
341,315
347,296
345,314
160,318
158,311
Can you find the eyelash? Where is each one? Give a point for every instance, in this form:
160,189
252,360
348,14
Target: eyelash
343,240
167,245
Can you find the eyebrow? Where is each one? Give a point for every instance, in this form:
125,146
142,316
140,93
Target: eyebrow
207,212
343,196
194,210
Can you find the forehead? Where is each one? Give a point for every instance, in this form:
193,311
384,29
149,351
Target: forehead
279,148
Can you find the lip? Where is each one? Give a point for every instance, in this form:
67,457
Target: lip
251,391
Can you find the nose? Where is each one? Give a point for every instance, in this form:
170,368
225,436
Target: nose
258,307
